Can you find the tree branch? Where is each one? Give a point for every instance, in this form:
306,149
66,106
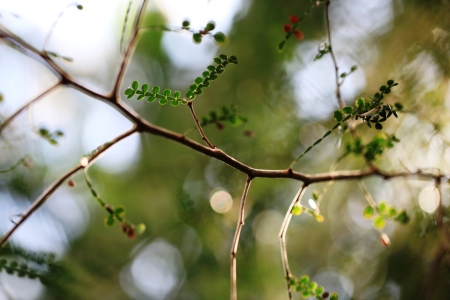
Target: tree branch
199,127
282,236
55,185
26,105
234,245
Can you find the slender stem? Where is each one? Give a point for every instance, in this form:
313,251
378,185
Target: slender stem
28,104
199,127
367,195
18,163
47,38
56,184
129,50
336,68
234,245
282,236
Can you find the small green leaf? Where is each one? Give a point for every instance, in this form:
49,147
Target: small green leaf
140,97
338,115
176,95
219,37
217,60
379,222
135,85
378,126
304,279
190,94
167,92
151,99
80,7
297,210
368,212
398,106
197,37
354,68
109,220
145,88
315,195
210,26
347,110
205,74
198,80
390,82
193,87
343,75
186,23
334,296
140,228
155,89
382,207
163,101
120,211
175,103
402,217
211,68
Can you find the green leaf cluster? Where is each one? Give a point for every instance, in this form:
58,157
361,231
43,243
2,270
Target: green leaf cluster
210,74
226,114
308,288
345,74
371,150
383,212
51,137
299,209
21,270
373,111
197,37
322,51
153,94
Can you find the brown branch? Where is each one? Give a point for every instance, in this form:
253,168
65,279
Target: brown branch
129,50
282,236
26,105
234,245
199,127
336,68
55,185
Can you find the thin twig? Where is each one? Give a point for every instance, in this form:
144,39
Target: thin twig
56,184
234,245
199,127
18,163
130,47
26,105
367,195
282,236
336,68
49,34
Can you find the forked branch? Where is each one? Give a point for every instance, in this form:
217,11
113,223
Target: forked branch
237,234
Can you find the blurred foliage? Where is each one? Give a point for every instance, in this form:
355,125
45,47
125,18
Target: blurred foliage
169,188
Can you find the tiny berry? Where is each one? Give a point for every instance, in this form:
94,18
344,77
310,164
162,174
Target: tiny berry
71,183
287,28
298,35
294,19
325,295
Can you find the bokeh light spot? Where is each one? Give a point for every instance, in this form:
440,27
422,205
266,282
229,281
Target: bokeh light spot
429,199
220,200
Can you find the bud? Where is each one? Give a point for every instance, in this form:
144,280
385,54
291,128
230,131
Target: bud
298,34
287,28
294,19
